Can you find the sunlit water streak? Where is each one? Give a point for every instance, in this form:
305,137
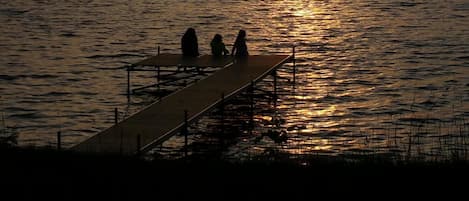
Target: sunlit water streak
373,76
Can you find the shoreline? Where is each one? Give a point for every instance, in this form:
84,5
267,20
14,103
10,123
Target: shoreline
51,174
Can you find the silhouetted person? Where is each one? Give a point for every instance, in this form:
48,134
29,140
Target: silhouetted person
189,44
240,49
218,47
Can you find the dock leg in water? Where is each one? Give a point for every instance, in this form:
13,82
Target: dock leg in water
275,87
138,145
294,67
186,131
222,113
116,116
251,108
59,141
128,83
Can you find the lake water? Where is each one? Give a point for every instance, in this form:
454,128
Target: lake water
382,77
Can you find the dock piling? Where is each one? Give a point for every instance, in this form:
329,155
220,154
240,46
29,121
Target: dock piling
251,108
158,71
121,141
294,65
222,113
275,83
128,82
138,145
158,77
185,130
116,116
59,141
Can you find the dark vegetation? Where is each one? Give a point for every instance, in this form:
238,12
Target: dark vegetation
32,174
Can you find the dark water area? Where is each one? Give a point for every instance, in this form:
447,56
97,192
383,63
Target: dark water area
382,77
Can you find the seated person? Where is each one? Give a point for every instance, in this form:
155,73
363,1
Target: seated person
218,47
240,48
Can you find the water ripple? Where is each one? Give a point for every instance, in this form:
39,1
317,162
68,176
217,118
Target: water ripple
366,70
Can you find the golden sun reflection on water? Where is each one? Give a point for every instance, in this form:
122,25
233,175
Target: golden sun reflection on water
307,9
309,146
265,118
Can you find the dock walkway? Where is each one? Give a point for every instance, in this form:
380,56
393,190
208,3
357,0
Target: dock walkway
163,119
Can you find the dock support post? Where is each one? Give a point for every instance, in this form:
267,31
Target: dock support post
116,116
294,66
128,82
158,72
121,141
59,141
158,76
251,108
275,84
185,130
222,113
275,88
138,145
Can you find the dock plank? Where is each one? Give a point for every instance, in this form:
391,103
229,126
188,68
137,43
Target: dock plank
179,60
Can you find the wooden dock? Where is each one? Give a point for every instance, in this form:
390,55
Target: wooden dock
163,119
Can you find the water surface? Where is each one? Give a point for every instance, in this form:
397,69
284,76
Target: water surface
372,76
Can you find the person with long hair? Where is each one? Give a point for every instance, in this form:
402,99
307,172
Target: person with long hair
189,44
240,48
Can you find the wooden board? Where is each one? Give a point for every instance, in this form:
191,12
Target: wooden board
179,60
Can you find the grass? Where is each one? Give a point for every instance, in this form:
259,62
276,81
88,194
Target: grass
47,174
